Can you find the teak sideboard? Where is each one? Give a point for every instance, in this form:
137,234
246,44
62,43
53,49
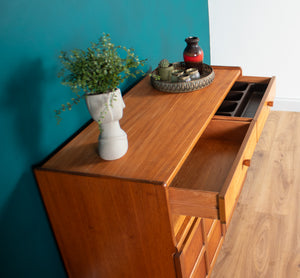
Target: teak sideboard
163,209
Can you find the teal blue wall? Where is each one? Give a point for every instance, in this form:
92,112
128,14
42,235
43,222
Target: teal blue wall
32,32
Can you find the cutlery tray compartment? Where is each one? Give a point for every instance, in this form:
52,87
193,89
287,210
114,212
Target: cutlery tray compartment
243,100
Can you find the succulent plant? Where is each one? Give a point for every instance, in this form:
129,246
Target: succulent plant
164,63
154,76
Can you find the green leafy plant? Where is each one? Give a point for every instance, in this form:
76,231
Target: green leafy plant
99,69
154,76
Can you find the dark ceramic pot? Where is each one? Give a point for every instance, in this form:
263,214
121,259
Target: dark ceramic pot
193,54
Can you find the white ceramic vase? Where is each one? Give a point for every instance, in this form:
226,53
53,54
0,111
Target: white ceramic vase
107,109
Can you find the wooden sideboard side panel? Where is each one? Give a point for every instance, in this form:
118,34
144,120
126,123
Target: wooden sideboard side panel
107,227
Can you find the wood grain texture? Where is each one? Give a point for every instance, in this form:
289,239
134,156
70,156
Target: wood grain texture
193,202
106,227
162,129
132,217
191,249
213,242
261,120
210,180
209,163
181,229
199,270
207,224
263,238
233,185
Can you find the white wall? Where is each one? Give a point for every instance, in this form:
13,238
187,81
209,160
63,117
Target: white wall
263,37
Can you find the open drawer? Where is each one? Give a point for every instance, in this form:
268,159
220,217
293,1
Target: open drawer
250,97
210,180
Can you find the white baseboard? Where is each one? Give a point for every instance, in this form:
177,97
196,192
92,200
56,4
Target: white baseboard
287,104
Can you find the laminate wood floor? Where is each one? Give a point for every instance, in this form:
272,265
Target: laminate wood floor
263,239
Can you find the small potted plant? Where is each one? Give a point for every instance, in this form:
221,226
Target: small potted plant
165,69
98,72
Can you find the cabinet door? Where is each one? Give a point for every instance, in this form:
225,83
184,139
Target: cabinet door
190,259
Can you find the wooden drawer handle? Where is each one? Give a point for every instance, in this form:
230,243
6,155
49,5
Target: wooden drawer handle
270,103
247,162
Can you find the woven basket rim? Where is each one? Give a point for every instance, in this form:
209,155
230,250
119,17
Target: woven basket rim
205,79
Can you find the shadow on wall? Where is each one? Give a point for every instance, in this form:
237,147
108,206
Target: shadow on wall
24,99
27,246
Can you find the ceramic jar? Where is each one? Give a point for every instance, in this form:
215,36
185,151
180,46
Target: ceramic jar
193,73
184,78
165,73
193,53
176,74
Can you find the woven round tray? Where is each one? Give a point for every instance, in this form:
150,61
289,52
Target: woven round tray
206,78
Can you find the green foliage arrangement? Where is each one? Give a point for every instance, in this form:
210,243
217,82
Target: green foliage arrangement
98,70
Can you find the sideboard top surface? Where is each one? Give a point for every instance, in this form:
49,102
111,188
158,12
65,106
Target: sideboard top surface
162,129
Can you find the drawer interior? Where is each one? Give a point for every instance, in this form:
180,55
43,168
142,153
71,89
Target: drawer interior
243,99
210,180
209,163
